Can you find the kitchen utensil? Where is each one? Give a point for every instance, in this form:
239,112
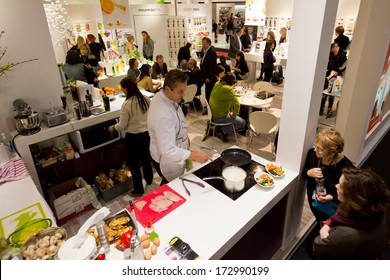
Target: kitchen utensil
233,176
146,214
191,181
54,116
187,191
236,157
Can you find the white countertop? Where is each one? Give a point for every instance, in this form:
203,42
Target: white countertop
209,221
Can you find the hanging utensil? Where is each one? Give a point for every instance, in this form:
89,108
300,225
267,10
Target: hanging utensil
191,181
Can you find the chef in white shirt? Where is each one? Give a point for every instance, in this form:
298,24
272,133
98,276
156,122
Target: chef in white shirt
169,142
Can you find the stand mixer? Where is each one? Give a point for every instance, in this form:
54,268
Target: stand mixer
27,120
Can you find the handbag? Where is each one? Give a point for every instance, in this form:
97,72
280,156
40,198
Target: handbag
328,208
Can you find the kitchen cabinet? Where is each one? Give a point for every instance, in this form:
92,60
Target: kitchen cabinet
87,166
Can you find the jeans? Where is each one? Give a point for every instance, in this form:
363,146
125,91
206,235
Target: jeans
137,148
239,123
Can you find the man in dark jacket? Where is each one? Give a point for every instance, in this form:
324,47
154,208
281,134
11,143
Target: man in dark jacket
207,65
159,67
184,53
341,39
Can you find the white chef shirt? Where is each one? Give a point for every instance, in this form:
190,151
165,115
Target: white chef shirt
168,135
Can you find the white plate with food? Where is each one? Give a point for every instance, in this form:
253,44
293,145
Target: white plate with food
274,169
264,180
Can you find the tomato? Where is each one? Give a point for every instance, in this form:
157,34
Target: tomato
126,238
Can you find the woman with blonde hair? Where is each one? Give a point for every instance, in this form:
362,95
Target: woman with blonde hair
80,41
130,46
148,46
322,169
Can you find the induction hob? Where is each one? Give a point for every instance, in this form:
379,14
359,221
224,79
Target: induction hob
215,169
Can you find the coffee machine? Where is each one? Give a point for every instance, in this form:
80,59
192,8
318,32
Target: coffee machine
27,120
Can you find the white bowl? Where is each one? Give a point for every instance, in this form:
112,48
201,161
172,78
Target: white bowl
258,175
276,164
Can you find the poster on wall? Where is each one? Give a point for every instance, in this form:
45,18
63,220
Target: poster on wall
255,12
382,104
115,13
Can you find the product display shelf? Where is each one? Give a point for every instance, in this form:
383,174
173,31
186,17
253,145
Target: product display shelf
177,37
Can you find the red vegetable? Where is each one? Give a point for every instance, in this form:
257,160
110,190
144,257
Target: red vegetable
126,238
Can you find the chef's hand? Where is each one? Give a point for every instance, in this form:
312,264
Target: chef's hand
111,129
89,66
199,157
207,81
315,172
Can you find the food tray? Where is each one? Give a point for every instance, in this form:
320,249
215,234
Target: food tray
121,214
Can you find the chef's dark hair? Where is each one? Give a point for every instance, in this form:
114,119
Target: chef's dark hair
132,90
174,77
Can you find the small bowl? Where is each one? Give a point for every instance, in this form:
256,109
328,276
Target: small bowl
270,171
39,246
259,174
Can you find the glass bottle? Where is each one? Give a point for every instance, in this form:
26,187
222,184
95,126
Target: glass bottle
137,253
106,101
89,99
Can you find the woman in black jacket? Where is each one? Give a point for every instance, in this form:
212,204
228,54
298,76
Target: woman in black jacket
269,59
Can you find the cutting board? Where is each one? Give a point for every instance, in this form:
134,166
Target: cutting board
147,213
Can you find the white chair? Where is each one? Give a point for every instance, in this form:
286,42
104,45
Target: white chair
263,123
264,86
275,111
189,95
213,125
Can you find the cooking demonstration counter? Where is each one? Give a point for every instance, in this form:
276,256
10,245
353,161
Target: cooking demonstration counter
216,226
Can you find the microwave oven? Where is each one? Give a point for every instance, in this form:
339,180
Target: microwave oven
94,137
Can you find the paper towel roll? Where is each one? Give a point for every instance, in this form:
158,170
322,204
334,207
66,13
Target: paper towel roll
4,157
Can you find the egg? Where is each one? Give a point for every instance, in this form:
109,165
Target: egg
147,255
156,241
145,244
144,237
153,249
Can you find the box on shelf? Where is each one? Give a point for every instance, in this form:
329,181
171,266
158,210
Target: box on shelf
68,201
116,190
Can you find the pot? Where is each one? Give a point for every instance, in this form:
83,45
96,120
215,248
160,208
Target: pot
236,157
233,176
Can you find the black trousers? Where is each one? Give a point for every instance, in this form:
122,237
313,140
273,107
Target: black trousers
158,169
268,75
137,148
208,89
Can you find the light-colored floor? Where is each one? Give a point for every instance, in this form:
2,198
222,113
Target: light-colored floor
261,146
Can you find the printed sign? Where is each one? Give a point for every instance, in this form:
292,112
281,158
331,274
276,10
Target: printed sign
116,13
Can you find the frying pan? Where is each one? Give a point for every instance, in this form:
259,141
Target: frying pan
236,157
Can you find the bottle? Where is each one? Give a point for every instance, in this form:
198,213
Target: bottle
137,253
106,101
127,254
103,239
77,111
149,228
69,151
89,99
102,254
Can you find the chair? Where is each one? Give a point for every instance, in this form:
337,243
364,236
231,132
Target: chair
213,125
275,111
263,123
264,86
189,95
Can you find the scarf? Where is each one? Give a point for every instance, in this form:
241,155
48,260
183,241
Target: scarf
357,221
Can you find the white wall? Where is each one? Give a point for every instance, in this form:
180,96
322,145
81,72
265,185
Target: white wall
27,36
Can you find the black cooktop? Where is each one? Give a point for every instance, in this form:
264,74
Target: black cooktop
215,169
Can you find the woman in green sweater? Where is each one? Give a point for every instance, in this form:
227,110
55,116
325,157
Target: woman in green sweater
225,106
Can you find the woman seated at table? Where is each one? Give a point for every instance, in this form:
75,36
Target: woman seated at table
225,107
133,73
241,69
145,81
